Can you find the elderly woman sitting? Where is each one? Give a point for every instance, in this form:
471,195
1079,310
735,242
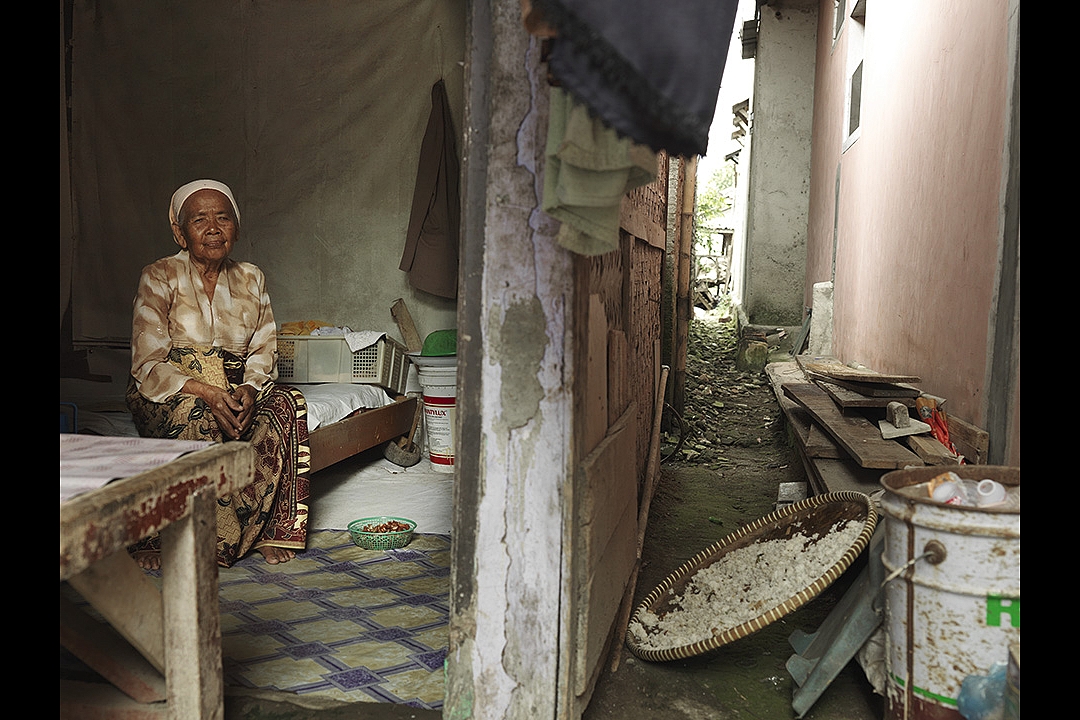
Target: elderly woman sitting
203,362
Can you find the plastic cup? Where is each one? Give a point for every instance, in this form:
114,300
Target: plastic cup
990,493
946,491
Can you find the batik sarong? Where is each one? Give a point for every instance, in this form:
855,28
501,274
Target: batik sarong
272,510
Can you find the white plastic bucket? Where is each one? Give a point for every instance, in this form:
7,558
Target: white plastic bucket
440,399
954,608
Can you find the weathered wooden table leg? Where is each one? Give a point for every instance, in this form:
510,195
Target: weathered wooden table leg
176,632
193,671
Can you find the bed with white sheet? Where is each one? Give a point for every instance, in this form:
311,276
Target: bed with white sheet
344,419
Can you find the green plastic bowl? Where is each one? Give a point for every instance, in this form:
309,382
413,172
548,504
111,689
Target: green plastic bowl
380,540
440,344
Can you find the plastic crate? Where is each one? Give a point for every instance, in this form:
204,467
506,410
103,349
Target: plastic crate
319,359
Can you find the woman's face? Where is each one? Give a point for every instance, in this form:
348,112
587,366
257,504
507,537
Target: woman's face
207,227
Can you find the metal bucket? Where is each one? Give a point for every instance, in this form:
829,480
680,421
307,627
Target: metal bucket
953,607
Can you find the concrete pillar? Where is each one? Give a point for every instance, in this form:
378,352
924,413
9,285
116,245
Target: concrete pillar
779,181
821,320
514,395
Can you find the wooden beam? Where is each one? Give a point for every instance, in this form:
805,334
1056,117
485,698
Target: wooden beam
596,370
683,295
607,518
129,600
97,524
103,650
193,673
618,380
99,701
931,450
833,368
337,441
837,475
400,312
846,398
972,442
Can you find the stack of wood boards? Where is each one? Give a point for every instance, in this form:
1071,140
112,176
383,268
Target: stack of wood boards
833,411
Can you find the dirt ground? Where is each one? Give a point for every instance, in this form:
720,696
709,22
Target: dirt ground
725,473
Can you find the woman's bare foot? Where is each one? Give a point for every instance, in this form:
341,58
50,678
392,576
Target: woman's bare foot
275,555
147,559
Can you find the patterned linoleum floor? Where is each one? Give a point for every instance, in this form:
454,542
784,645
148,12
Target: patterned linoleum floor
340,621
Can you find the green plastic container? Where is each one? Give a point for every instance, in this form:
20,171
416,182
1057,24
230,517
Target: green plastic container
380,540
440,344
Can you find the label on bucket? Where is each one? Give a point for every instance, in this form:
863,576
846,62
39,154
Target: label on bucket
439,423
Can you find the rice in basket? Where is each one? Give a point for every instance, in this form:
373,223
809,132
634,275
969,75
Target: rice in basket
742,585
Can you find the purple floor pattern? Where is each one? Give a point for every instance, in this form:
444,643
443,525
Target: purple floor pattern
341,621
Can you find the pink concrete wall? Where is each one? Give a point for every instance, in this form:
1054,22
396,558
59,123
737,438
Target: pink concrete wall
920,191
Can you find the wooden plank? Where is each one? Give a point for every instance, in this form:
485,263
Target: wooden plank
403,318
193,669
837,475
618,376
99,701
99,523
596,382
102,649
833,368
652,473
820,445
605,550
970,441
813,476
608,587
860,438
930,450
128,600
850,399
800,423
335,442
610,482
810,439
874,389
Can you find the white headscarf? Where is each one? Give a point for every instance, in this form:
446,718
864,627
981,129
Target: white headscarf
186,191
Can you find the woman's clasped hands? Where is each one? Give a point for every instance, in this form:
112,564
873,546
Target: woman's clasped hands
233,411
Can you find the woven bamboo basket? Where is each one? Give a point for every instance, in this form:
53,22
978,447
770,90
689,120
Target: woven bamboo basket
813,515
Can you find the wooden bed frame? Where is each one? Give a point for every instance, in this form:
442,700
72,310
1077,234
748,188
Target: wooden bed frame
334,442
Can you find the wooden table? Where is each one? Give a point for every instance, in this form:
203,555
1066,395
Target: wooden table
161,651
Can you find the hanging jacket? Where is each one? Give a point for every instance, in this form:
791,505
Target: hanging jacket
431,241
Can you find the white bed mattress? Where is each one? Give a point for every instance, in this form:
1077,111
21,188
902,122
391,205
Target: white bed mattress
329,402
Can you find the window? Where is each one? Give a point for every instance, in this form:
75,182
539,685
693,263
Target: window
854,74
854,99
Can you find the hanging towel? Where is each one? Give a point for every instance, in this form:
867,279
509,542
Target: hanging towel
650,69
589,170
431,241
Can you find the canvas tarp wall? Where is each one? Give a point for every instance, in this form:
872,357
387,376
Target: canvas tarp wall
312,112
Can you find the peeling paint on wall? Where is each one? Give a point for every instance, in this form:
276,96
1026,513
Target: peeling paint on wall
520,343
462,696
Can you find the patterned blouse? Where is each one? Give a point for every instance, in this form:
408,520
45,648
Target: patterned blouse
173,310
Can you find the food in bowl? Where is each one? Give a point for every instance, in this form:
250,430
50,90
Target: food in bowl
386,527
382,533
